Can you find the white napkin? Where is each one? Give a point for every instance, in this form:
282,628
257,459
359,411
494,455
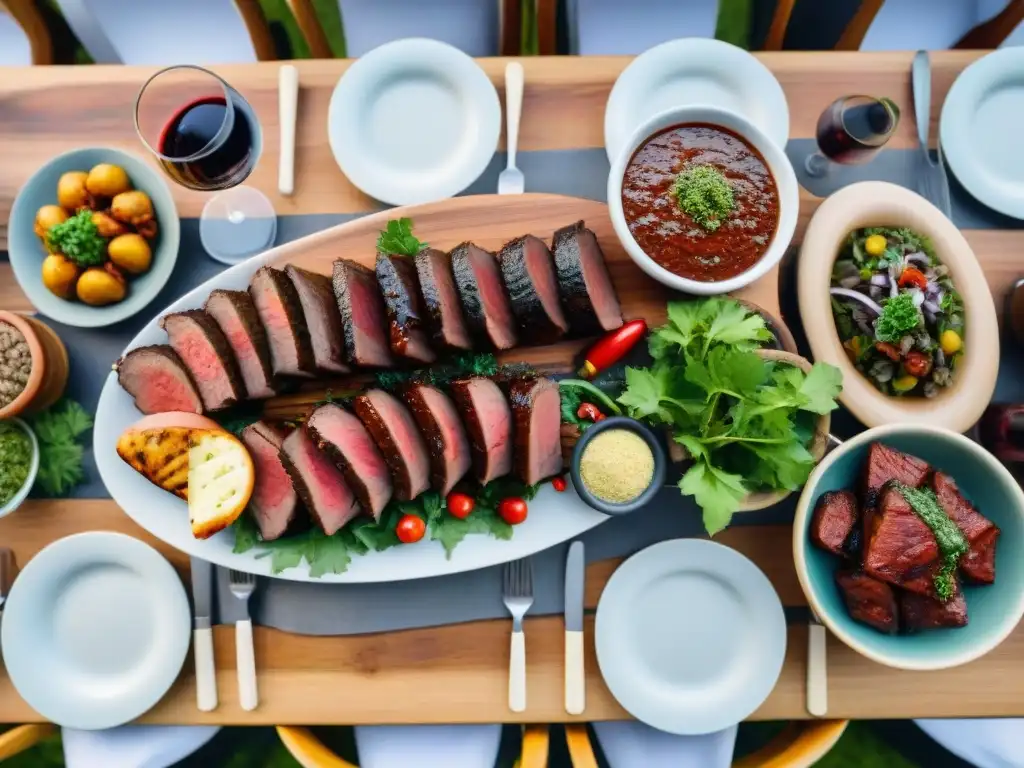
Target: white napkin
993,743
427,746
630,744
133,746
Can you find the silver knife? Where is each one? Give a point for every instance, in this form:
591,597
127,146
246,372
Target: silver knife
575,677
932,182
202,635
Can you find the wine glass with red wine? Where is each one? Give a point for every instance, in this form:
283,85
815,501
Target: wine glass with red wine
851,131
206,137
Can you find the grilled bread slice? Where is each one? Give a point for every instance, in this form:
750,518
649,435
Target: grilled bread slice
160,455
220,481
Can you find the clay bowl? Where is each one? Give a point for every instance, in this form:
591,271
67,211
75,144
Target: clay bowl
877,203
49,374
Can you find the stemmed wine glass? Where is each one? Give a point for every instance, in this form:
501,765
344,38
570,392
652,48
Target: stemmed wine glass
851,131
206,137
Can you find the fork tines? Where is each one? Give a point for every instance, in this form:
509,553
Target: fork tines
518,578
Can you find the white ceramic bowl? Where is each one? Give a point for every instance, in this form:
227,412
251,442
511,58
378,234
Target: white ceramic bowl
776,160
33,470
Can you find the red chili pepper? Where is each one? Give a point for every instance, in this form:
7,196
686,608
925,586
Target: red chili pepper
612,347
558,483
589,411
913,276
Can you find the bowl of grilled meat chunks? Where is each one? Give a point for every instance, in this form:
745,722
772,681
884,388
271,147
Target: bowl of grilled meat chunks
909,545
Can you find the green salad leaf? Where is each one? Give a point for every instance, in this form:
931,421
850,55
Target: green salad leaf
58,430
397,238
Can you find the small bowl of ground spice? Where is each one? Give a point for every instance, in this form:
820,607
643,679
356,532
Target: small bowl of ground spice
618,465
19,463
33,365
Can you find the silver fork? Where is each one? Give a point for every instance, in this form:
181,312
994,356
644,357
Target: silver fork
242,587
517,594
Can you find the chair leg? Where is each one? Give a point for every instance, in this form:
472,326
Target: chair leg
991,34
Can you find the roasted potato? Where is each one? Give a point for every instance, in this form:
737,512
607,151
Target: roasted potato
49,216
107,225
160,455
131,253
99,286
60,275
106,180
133,207
72,194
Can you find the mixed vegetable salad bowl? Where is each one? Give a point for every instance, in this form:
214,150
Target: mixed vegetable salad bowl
891,293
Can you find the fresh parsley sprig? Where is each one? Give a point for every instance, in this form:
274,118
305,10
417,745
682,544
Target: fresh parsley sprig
58,429
397,238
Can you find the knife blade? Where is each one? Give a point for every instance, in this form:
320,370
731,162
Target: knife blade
575,678
202,635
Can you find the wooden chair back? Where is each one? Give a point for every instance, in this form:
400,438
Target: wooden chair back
27,16
986,35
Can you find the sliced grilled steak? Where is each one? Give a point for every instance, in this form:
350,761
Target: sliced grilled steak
362,315
393,430
978,566
445,436
444,311
902,550
235,314
483,295
528,269
396,276
342,435
204,350
869,600
321,486
537,428
488,420
885,464
925,612
835,518
158,380
274,502
322,319
277,304
587,290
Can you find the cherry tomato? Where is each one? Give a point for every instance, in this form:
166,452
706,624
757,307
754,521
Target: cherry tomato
558,483
589,411
917,364
460,505
410,529
915,277
512,510
889,350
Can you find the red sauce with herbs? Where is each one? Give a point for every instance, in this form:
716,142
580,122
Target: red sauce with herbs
670,236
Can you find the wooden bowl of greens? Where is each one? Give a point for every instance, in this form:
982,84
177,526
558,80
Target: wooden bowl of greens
891,293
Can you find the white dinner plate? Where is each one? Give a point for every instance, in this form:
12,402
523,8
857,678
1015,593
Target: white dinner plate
414,121
979,130
95,630
690,636
694,70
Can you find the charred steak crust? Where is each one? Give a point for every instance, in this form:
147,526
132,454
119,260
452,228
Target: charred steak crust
344,272
293,309
443,473
301,488
328,351
471,293
532,318
834,521
132,380
360,488
427,261
521,393
379,430
219,343
241,301
579,306
396,276
259,437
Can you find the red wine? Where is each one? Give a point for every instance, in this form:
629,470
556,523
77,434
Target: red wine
852,133
195,129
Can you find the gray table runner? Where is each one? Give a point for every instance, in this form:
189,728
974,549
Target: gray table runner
338,609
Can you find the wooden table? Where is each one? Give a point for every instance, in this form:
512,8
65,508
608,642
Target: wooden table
459,673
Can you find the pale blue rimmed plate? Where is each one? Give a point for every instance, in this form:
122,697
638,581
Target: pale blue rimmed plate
690,636
95,630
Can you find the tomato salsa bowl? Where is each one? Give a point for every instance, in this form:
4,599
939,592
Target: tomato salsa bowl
702,200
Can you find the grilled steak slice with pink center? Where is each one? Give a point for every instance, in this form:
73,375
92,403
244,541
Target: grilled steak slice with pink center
318,482
484,297
322,319
528,269
587,290
158,380
537,424
978,566
446,440
399,440
441,298
277,303
342,435
407,331
274,503
362,315
205,352
236,315
488,420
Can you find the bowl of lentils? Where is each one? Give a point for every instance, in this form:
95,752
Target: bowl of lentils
19,463
33,365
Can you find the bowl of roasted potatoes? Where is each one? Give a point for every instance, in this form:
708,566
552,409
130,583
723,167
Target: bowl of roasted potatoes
93,236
